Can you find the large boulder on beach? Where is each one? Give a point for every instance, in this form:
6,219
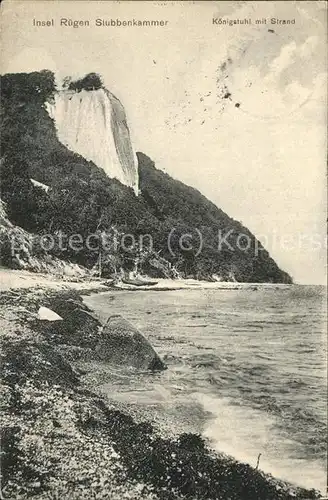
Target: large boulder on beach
122,344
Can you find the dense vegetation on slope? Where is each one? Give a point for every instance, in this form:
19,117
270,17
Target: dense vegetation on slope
83,200
187,209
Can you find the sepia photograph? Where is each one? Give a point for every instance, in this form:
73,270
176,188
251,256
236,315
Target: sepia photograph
163,250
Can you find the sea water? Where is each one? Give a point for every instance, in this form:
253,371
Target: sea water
246,368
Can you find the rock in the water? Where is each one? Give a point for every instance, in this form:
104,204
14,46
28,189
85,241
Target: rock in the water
48,314
123,344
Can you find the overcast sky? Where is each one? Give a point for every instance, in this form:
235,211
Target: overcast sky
260,152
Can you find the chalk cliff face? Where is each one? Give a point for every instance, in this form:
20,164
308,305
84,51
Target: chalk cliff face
93,124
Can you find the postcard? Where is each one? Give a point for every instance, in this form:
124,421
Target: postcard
163,250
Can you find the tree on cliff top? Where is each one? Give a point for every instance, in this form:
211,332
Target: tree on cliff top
91,81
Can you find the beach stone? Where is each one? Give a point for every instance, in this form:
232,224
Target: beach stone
122,344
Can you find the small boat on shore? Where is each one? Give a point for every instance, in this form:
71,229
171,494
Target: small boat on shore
138,282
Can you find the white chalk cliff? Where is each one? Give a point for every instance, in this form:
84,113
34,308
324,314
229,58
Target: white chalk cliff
93,124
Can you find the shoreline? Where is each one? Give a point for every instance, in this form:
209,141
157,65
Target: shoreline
42,370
